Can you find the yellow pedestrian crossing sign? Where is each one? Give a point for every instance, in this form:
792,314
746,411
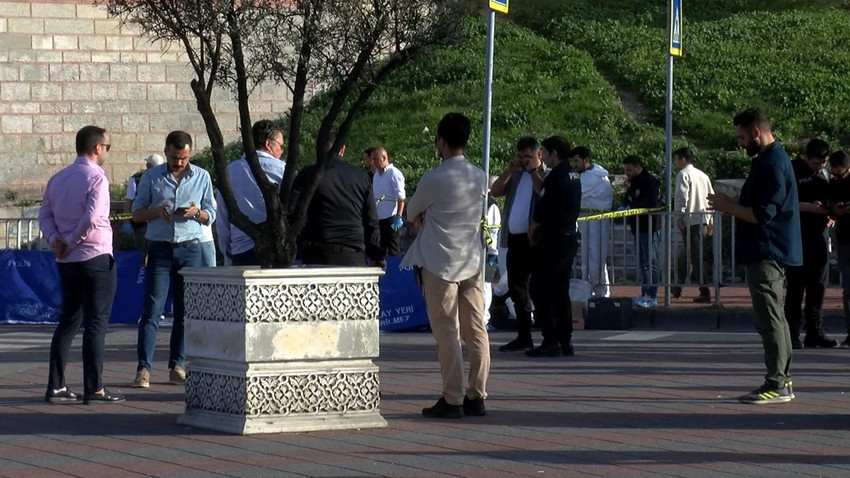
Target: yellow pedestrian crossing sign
675,27
499,5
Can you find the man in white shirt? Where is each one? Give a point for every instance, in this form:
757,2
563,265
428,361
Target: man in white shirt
694,221
236,247
520,184
388,188
139,228
447,255
597,195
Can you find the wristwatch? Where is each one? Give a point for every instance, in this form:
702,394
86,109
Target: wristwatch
197,216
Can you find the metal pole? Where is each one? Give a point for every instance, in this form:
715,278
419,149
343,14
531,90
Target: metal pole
488,100
668,155
488,94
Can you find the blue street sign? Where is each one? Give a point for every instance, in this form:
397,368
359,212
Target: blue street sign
675,27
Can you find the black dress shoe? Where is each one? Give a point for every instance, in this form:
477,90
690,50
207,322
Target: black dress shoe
546,350
473,408
105,398
62,396
516,345
796,344
568,350
819,340
442,409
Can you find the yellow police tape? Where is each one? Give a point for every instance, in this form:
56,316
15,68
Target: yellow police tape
619,214
120,217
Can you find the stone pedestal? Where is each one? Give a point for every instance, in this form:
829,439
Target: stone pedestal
282,350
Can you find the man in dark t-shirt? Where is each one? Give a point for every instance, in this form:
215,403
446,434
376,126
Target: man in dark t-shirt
810,278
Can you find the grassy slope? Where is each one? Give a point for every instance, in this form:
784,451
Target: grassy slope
789,57
540,88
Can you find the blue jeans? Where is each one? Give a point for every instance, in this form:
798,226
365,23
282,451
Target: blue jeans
648,249
164,263
208,254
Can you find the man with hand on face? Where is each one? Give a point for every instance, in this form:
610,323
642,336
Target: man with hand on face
520,183
768,240
174,199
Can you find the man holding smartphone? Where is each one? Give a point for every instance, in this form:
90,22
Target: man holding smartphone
810,278
520,184
175,199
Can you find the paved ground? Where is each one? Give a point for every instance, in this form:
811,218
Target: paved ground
657,400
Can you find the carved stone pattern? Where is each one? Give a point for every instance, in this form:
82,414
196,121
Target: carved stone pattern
216,302
282,303
313,393
215,392
311,302
283,394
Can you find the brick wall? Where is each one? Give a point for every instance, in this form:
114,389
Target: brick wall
65,64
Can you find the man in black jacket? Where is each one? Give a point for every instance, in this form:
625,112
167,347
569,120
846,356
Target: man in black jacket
553,231
810,278
342,222
643,193
839,201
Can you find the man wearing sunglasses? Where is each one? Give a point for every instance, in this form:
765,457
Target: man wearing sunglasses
74,219
235,245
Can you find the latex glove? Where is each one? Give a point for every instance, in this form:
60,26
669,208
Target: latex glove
397,223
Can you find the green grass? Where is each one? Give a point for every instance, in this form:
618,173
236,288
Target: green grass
540,88
788,57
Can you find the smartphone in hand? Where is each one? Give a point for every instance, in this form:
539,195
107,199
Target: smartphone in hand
181,211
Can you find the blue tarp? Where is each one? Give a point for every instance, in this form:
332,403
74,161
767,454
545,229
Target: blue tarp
30,291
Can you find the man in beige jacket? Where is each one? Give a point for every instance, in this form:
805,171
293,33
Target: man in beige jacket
447,255
694,221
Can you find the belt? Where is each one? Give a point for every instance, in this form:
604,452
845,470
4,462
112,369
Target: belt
189,243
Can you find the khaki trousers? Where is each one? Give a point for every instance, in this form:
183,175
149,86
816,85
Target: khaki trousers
455,311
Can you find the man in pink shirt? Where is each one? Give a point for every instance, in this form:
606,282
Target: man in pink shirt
74,219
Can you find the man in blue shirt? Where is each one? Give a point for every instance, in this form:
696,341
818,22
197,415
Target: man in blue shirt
767,241
174,198
236,247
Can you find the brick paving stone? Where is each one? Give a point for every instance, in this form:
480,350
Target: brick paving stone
622,407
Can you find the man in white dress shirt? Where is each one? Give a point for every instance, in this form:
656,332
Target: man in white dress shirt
388,188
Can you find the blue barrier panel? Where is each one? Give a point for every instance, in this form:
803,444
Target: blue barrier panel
31,292
402,306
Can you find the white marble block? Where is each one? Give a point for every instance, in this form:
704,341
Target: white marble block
282,350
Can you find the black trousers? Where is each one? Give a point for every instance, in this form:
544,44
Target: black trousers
390,243
332,255
247,258
692,267
550,287
88,288
809,279
518,263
